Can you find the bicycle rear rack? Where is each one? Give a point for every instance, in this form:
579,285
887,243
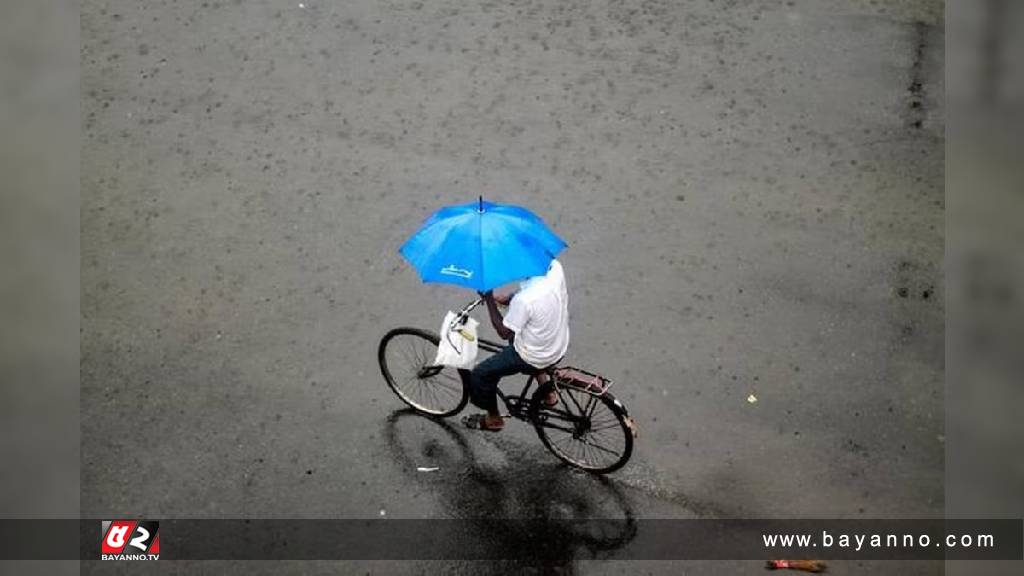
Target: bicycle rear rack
573,377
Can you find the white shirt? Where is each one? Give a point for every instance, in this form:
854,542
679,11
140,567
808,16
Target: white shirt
539,315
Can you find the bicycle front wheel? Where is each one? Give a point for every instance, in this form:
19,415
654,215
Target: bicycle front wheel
406,356
587,430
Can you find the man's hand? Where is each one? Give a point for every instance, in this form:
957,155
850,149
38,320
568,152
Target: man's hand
500,299
496,319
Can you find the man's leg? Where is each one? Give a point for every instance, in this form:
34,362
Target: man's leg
484,379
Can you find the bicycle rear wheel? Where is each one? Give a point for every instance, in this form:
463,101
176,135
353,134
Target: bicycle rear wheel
587,430
405,356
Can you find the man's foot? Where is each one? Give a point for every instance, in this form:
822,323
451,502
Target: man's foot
484,422
551,399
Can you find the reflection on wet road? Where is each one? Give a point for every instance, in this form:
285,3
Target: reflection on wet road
545,493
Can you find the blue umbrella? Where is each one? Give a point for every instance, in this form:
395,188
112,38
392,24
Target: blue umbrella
481,245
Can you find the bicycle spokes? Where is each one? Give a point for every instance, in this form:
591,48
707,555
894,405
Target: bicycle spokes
406,357
584,429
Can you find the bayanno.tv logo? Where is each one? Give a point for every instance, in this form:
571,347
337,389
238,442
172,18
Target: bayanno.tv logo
130,540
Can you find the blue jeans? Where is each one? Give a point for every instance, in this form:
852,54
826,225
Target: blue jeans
483,380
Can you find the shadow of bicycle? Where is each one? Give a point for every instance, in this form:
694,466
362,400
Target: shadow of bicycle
533,512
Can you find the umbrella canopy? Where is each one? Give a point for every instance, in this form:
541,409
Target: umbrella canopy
481,245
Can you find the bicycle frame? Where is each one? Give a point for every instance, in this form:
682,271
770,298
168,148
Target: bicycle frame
514,404
511,404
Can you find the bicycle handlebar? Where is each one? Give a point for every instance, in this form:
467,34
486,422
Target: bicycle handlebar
464,313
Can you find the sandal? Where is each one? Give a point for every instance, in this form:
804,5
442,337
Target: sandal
479,422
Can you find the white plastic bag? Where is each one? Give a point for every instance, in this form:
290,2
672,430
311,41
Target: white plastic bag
458,346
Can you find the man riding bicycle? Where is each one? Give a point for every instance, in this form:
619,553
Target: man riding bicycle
537,327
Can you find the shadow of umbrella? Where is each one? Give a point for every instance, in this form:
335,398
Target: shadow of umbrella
537,513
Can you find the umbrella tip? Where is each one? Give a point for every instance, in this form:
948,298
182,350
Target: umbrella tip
481,203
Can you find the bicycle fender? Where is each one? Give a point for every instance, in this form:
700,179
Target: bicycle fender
630,423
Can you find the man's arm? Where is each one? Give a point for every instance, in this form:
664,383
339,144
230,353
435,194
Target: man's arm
496,319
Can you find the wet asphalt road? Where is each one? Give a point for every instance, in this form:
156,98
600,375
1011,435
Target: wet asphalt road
752,192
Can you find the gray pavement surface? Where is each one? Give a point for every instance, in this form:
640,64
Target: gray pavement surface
752,192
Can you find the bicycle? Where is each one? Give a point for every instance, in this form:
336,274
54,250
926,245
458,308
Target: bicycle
573,428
